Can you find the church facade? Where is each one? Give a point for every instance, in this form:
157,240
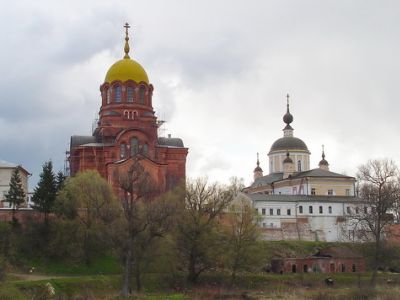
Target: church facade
296,202
127,130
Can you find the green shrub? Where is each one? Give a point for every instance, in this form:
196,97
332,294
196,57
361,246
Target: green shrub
10,292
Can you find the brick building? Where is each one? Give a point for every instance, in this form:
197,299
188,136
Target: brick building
327,260
128,129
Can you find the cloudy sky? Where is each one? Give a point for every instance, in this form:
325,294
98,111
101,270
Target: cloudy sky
221,70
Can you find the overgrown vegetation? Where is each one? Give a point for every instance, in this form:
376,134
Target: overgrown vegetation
197,236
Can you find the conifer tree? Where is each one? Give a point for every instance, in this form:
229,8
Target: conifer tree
44,194
15,195
60,180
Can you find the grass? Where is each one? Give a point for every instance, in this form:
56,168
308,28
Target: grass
102,280
102,265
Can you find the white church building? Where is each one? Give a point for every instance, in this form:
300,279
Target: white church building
298,203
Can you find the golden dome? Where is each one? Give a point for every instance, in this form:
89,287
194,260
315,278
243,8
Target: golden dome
126,69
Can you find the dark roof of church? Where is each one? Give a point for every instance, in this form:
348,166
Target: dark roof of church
267,179
170,142
288,143
270,178
319,173
78,140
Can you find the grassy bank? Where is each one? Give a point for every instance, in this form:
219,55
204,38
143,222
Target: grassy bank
102,280
211,286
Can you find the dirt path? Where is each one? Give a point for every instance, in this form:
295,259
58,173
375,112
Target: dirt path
33,277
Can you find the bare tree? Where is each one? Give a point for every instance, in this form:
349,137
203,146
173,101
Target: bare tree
241,225
147,216
197,231
379,190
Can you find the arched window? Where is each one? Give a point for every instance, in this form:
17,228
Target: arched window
117,94
108,92
122,151
145,149
134,146
142,91
299,166
135,115
126,114
300,209
129,94
330,209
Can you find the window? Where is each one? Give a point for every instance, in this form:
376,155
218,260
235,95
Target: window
330,192
271,212
357,210
145,149
348,210
288,212
330,209
365,210
353,268
278,211
108,96
299,166
294,190
122,151
293,268
321,210
142,90
264,225
300,209
343,268
305,268
263,211
347,192
117,94
256,210
129,94
134,146
310,209
313,191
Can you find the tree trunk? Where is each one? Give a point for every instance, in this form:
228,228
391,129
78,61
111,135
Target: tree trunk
86,254
138,277
192,276
127,278
376,259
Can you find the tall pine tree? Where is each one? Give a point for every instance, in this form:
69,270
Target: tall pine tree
44,194
15,195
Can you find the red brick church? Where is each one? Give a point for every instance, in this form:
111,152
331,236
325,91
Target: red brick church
127,129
